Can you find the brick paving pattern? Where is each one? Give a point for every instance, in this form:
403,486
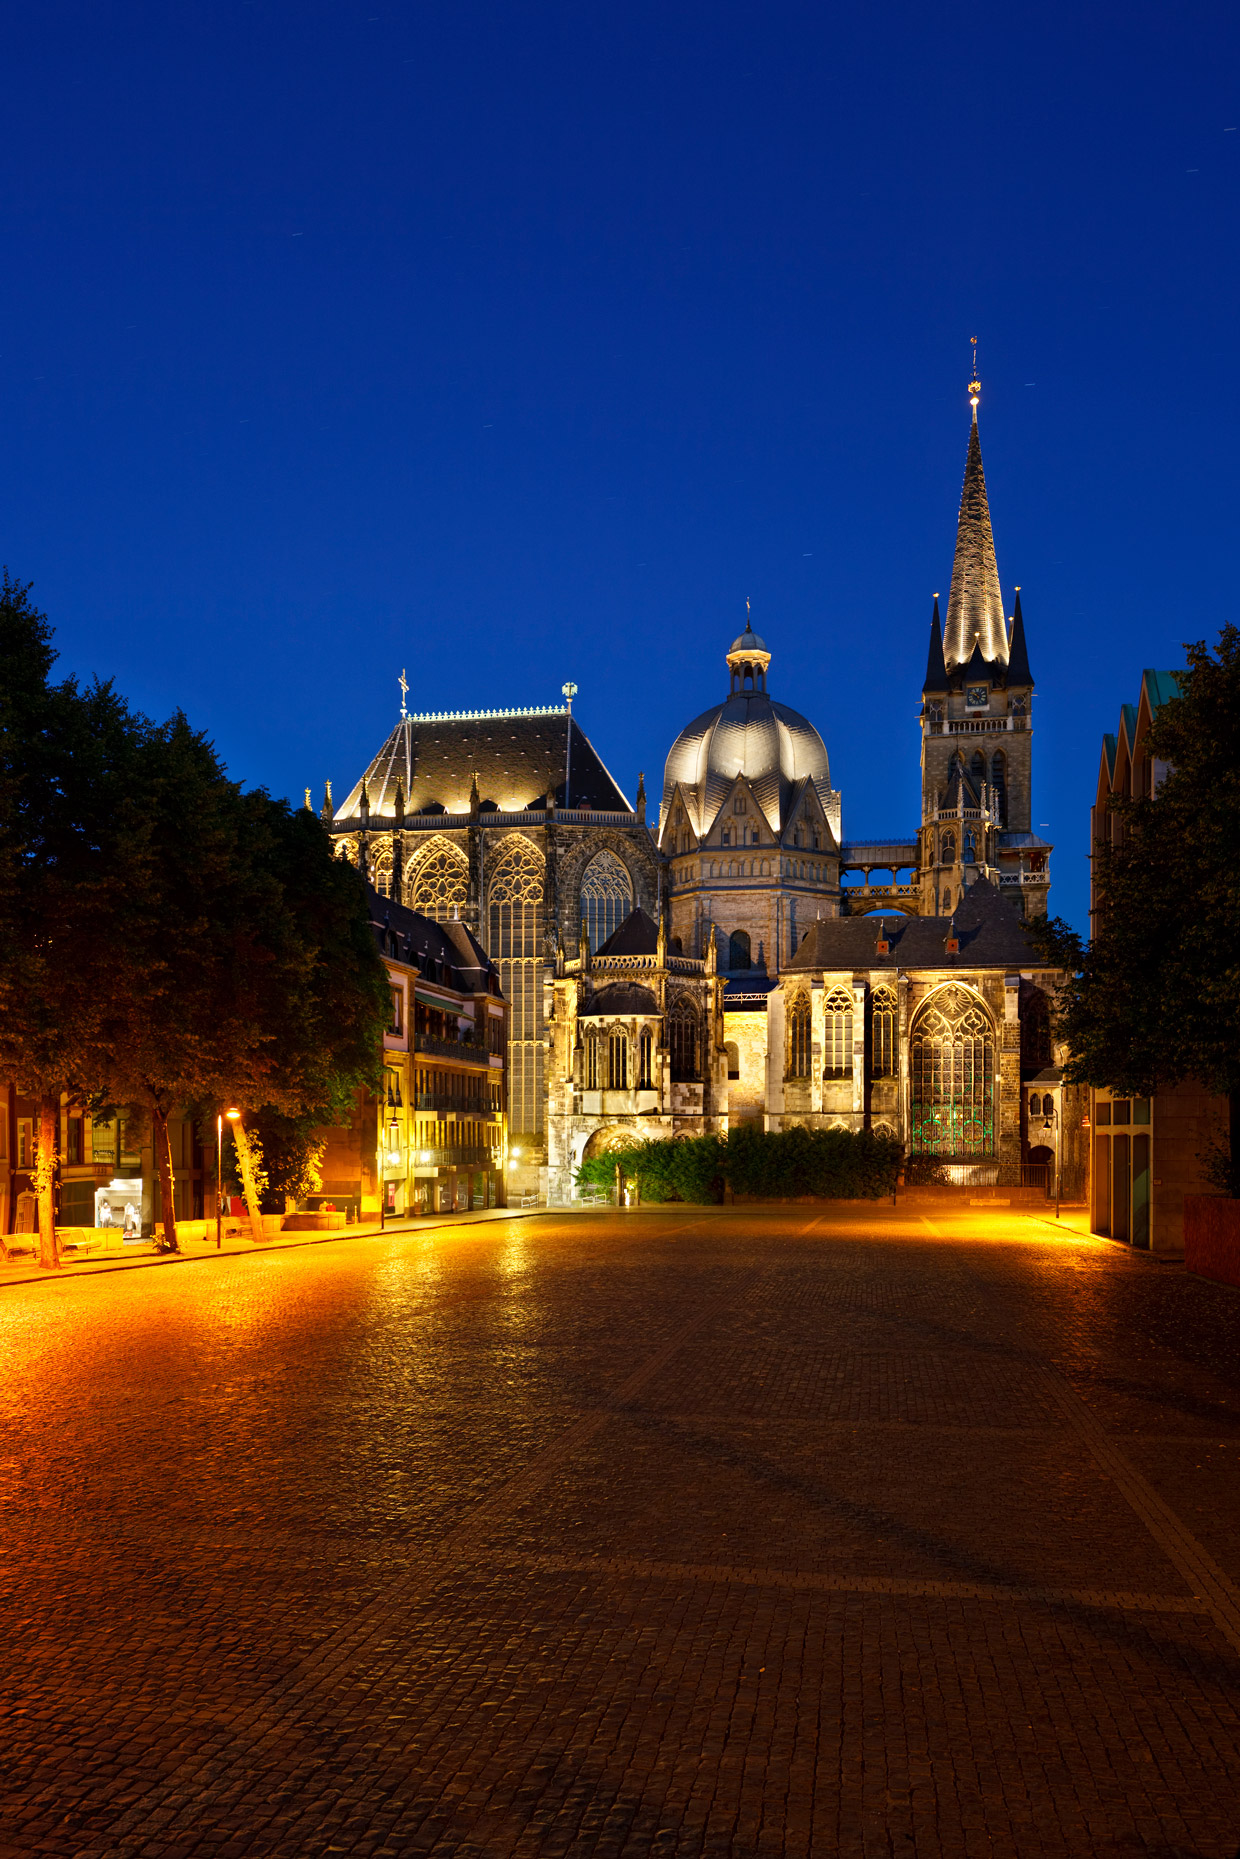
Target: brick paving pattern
737,1534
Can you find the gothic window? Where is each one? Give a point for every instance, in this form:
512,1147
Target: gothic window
998,781
970,847
617,1062
837,1040
1035,1105
978,766
606,898
947,849
591,1061
515,943
437,882
798,1038
882,1033
645,1051
685,1042
952,1053
738,950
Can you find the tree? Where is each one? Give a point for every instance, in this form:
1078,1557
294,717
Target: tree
251,975
66,759
1154,997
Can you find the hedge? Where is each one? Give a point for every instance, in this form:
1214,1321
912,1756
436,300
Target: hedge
767,1164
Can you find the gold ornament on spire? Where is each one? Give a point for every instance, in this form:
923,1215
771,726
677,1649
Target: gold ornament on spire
975,386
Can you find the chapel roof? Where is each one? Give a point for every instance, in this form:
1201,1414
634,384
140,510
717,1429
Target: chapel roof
407,936
990,932
517,757
773,746
637,935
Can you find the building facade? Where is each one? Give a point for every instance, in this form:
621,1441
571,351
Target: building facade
435,1139
635,1048
1145,1151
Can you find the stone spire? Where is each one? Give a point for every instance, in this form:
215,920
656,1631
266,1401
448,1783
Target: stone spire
936,670
1018,661
975,604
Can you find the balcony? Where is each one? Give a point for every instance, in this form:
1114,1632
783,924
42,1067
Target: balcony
455,1156
465,1051
978,725
444,1100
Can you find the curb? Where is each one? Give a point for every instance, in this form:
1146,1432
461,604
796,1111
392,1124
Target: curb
149,1261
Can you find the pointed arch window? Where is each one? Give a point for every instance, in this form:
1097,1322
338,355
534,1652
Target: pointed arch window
514,922
837,1034
947,849
437,882
617,1061
799,1034
606,898
645,1060
591,1061
684,1037
952,1062
883,1010
738,950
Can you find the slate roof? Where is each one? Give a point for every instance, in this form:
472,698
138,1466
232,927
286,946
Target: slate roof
517,756
407,936
619,997
990,932
637,935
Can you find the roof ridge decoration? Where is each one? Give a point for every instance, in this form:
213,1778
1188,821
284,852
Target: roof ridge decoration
975,602
475,716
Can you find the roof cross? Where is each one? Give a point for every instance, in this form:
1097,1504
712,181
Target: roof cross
404,692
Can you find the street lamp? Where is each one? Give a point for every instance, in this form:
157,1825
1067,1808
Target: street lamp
1051,1123
219,1167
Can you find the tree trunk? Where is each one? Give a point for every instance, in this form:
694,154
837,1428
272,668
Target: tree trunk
45,1183
167,1188
247,1180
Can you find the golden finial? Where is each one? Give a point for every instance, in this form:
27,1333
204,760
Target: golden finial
975,386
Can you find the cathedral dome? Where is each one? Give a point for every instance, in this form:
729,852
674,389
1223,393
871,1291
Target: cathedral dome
773,746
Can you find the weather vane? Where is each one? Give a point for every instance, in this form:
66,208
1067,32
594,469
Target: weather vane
975,386
404,692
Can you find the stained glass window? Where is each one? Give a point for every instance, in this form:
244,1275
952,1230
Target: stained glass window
882,1033
837,1034
953,1075
515,900
684,1038
798,1037
606,898
437,882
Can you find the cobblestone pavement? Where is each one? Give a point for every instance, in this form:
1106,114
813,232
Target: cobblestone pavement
738,1534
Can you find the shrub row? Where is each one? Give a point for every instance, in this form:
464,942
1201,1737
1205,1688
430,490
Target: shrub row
768,1164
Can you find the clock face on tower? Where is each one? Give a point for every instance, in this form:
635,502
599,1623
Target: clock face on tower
977,696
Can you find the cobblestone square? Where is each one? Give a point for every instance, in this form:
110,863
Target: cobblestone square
737,1533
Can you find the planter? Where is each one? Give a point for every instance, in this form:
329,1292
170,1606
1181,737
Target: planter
1212,1237
315,1222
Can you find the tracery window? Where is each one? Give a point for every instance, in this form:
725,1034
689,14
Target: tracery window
606,898
798,1038
952,1053
591,1061
515,944
645,1050
837,1034
437,882
684,1037
883,1033
947,851
618,1062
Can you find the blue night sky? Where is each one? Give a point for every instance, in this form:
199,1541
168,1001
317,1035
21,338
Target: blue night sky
517,343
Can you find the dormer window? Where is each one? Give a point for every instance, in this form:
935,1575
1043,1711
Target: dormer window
738,805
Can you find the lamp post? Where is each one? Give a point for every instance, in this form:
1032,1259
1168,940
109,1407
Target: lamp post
1052,1124
570,691
219,1168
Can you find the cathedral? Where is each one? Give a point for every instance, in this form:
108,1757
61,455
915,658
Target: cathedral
740,957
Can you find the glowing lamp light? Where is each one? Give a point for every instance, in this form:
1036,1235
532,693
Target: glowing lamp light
232,1115
425,1156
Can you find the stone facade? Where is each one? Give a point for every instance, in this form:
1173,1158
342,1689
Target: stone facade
635,1048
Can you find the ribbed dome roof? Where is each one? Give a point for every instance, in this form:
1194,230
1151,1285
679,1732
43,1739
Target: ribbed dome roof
749,734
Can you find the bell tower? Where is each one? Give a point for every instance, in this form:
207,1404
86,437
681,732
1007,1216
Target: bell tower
977,726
